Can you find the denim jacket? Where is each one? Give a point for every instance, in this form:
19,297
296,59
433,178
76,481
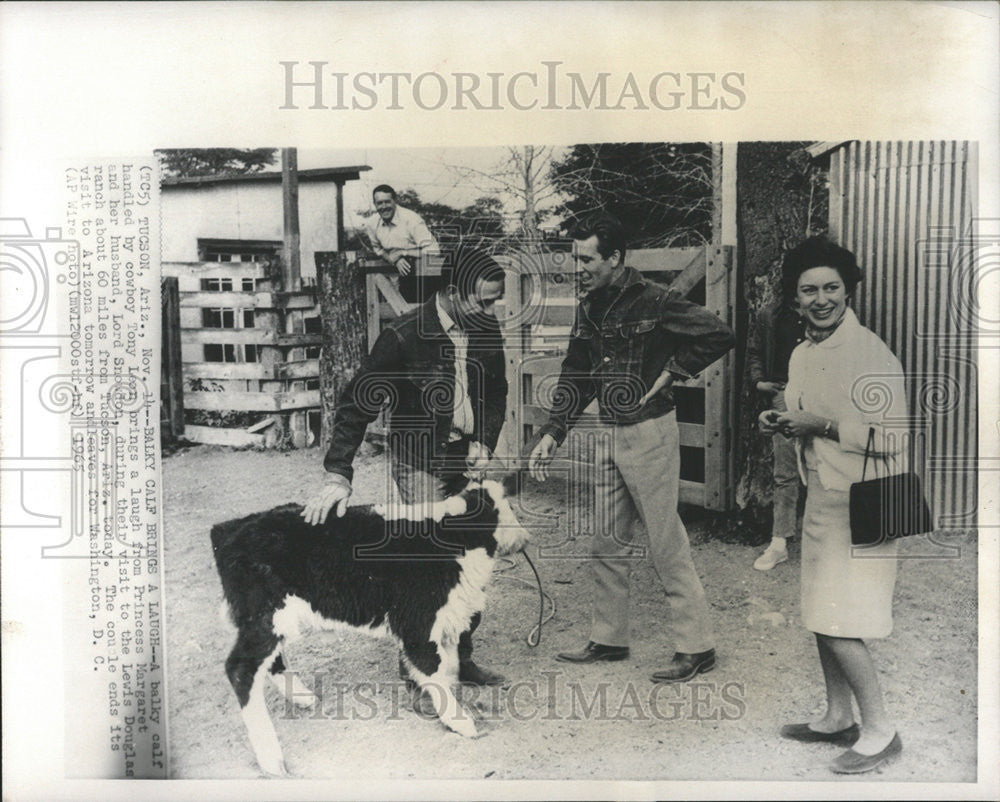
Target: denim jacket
646,329
411,369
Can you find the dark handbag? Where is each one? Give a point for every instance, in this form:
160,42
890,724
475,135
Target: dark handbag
887,507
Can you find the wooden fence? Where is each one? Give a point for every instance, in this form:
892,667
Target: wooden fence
537,314
907,210
247,347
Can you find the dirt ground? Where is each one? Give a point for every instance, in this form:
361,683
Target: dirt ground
605,721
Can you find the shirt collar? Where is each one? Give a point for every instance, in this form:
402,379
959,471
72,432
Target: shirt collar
628,277
392,223
843,333
447,323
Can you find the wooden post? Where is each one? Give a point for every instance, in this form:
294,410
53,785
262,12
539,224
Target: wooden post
719,299
291,271
340,215
171,380
513,431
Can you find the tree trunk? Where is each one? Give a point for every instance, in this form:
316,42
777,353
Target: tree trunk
778,187
529,219
345,328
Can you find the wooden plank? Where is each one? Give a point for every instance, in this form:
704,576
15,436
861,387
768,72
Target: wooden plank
692,273
259,426
206,299
226,370
372,309
693,493
299,340
201,270
426,265
673,260
303,369
254,336
249,300
398,303
219,436
254,402
558,315
304,299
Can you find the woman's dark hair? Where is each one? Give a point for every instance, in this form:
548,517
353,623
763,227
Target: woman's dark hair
818,252
609,231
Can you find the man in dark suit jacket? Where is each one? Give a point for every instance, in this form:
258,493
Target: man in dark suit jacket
440,369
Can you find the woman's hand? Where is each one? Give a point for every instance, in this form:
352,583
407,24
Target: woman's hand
768,421
796,423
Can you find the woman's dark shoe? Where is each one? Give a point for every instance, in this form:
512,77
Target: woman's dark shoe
804,733
851,762
686,666
594,653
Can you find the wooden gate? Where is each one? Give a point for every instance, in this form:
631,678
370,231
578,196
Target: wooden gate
249,349
539,306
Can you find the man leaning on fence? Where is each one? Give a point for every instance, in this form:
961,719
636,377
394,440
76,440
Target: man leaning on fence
398,235
630,341
441,368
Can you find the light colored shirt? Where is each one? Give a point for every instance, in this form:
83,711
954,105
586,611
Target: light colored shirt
855,380
462,421
406,230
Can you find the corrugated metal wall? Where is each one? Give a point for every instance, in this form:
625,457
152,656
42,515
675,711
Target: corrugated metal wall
907,209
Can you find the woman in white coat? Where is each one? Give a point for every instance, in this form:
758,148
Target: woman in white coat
843,381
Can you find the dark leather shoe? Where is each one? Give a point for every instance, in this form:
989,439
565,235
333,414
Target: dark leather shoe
594,653
686,666
471,674
851,762
805,734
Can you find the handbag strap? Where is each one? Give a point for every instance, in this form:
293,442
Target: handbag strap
869,447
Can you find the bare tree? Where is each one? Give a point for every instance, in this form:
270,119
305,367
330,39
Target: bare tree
662,192
521,174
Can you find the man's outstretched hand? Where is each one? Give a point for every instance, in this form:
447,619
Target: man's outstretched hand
541,457
336,492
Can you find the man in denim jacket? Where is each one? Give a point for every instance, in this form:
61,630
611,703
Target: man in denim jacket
631,339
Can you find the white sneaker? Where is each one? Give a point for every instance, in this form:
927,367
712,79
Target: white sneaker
770,558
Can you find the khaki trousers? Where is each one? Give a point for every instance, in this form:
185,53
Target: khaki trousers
638,475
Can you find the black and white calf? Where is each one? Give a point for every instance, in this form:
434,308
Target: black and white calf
417,574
